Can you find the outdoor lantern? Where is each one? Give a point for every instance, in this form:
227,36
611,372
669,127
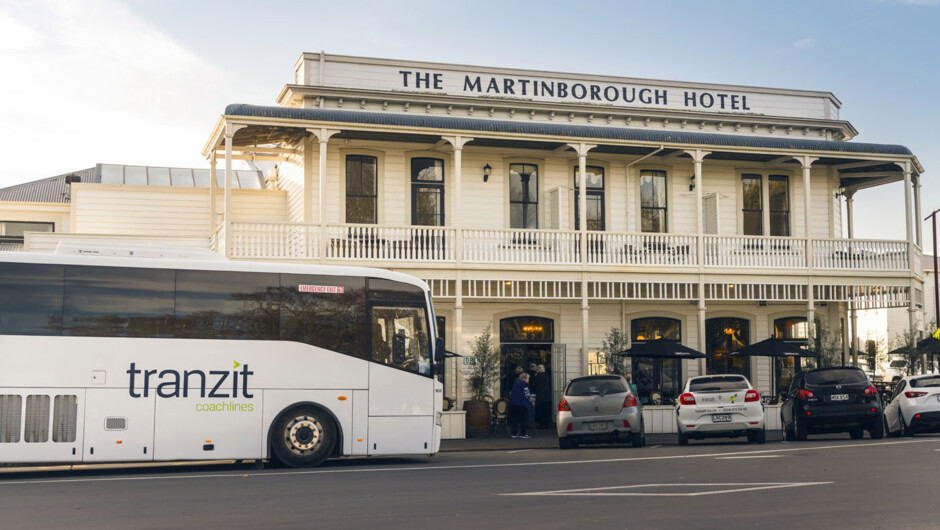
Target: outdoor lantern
486,172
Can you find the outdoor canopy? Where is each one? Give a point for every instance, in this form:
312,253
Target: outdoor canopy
774,347
662,348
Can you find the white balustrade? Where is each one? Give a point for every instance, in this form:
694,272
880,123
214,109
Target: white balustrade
550,247
390,243
610,248
759,252
274,240
860,254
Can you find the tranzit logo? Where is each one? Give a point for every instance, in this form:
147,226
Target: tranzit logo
175,384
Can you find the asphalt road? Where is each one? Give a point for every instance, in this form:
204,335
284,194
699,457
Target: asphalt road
827,482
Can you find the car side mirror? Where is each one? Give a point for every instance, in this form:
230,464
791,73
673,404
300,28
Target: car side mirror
398,348
439,350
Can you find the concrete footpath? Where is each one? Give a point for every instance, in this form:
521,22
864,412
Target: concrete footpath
548,439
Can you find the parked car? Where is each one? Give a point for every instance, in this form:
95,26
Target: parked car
720,406
863,364
839,399
914,406
897,369
599,409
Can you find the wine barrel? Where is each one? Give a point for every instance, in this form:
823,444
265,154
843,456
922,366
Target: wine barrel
479,419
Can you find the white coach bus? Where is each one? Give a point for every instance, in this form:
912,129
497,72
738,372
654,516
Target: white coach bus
119,359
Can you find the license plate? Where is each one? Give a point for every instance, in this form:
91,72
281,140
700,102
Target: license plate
597,425
718,418
839,397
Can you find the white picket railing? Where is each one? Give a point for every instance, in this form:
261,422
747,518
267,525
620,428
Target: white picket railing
551,247
755,252
390,243
611,248
860,254
274,240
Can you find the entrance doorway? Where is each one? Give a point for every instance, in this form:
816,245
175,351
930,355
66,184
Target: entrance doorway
524,341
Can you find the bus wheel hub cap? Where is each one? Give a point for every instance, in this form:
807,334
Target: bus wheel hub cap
303,434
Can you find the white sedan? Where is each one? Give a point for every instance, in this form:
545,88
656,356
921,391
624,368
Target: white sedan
720,406
914,406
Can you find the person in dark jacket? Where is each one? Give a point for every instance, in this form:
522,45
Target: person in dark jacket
543,398
519,403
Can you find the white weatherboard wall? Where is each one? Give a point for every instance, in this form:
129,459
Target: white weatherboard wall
148,210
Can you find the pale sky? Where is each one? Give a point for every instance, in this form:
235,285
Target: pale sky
143,81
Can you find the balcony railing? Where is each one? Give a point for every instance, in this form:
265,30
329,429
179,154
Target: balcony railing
755,252
860,254
427,244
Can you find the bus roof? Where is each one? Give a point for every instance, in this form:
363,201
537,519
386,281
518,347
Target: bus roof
207,264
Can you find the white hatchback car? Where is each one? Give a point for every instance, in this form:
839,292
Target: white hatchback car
720,406
914,406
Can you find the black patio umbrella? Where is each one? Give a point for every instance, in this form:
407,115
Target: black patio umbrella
662,348
774,347
929,345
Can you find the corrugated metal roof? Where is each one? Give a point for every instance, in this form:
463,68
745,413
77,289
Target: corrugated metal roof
557,129
52,189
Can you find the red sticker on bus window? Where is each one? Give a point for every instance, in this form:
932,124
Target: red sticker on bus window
330,289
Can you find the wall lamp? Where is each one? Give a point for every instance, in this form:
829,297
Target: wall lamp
486,172
692,183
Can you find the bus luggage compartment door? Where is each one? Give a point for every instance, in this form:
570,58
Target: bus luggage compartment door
118,427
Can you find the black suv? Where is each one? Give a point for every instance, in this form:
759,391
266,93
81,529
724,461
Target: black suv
825,400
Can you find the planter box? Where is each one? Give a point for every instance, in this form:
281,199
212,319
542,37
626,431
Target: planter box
454,425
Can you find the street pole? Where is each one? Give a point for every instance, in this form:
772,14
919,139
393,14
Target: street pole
936,276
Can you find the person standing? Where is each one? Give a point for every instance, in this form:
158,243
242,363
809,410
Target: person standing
519,403
543,398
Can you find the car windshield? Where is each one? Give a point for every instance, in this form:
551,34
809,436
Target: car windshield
718,383
836,376
596,386
924,382
898,363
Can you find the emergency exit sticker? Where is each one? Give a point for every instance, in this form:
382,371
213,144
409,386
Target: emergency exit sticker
328,289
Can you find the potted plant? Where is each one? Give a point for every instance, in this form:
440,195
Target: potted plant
483,371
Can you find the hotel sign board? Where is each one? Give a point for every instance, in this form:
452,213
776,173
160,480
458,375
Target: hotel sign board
524,85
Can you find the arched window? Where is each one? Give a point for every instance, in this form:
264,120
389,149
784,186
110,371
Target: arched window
657,380
723,336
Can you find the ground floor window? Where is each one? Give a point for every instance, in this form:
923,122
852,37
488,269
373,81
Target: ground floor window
658,381
525,343
793,330
723,336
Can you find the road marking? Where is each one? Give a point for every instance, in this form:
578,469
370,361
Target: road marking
241,474
517,451
608,491
746,456
655,446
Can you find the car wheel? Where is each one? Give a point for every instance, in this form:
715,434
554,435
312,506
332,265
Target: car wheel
906,429
877,430
636,439
683,438
564,443
799,431
857,433
303,437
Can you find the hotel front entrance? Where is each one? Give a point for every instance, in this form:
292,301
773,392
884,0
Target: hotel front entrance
524,341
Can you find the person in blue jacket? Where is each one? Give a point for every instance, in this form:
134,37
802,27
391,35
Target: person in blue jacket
520,399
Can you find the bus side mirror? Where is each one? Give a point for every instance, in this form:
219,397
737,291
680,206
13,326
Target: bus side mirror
398,348
438,350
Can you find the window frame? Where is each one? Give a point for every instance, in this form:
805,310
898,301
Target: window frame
760,206
439,186
771,211
19,240
347,195
600,193
525,195
665,208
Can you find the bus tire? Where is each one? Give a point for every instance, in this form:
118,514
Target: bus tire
303,437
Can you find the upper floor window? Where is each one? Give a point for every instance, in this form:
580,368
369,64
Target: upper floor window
594,198
752,211
779,189
13,231
523,196
427,191
361,189
653,201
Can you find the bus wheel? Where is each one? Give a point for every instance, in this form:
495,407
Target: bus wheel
303,437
